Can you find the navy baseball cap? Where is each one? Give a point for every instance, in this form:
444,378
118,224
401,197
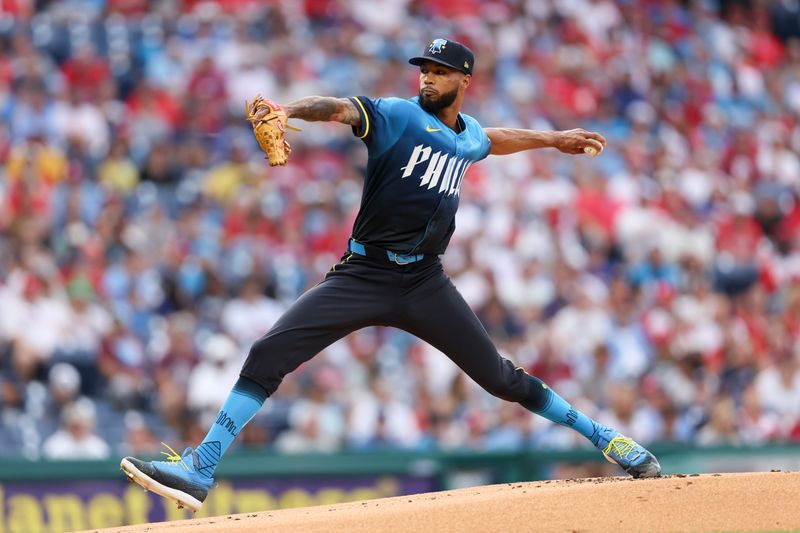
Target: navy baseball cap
448,53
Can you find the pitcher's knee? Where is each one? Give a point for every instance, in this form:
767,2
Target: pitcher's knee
258,354
259,348
502,389
275,344
509,382
267,364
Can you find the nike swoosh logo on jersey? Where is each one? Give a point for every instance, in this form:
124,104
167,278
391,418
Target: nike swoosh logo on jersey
431,130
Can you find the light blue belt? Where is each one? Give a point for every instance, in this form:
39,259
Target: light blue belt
374,251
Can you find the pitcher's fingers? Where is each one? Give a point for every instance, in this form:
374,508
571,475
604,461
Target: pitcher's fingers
596,136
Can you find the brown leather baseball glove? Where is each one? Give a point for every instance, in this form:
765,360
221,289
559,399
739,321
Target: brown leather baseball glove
269,127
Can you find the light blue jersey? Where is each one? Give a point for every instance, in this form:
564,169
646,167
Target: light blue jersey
414,174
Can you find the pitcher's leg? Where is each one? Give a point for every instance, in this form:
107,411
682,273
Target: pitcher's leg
436,313
348,299
339,305
321,316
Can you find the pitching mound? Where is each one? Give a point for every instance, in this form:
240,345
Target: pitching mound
716,502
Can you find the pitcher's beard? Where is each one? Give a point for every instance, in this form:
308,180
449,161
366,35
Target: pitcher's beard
444,100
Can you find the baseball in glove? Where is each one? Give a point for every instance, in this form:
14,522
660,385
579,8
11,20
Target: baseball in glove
269,127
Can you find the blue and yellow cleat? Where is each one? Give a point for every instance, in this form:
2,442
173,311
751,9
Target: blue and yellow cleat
626,452
176,478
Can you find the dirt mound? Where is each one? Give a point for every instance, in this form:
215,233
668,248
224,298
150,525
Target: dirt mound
715,502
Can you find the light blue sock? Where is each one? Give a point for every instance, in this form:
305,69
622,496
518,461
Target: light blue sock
243,402
544,402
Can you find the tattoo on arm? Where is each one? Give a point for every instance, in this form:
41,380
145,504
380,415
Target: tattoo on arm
324,108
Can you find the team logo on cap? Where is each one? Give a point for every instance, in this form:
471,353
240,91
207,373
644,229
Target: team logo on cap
437,45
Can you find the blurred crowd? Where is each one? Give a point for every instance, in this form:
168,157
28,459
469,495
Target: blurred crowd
145,243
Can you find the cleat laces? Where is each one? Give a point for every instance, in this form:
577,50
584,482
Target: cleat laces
622,447
173,457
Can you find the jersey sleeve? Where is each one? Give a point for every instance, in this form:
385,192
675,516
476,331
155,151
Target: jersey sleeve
382,120
486,144
479,135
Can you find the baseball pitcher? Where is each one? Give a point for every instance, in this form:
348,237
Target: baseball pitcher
419,152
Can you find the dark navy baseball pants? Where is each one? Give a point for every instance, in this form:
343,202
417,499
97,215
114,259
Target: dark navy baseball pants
371,291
